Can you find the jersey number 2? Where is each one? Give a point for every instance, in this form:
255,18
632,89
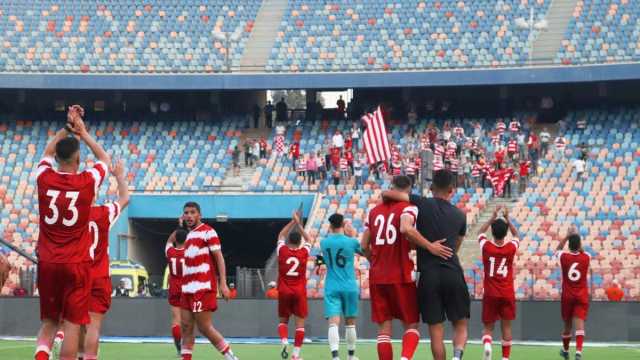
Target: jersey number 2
502,269
293,270
55,213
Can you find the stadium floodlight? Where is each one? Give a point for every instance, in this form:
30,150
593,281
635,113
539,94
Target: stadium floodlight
226,39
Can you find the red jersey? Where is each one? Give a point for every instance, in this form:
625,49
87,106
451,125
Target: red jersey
512,147
514,126
100,221
498,267
200,274
294,150
501,127
575,267
64,203
292,266
175,258
390,261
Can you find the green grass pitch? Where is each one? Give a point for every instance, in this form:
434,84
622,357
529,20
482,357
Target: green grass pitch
23,350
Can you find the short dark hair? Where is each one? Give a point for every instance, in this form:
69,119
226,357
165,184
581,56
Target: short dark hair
66,148
181,236
336,220
574,242
442,180
192,204
499,229
295,238
401,182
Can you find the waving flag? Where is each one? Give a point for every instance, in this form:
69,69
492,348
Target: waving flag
376,142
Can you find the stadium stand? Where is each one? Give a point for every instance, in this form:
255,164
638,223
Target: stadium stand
402,35
119,36
601,32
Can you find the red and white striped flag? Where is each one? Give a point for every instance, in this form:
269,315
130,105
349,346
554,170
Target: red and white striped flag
376,142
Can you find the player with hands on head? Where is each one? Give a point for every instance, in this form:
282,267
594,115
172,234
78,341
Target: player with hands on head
198,301
574,302
293,250
65,197
499,300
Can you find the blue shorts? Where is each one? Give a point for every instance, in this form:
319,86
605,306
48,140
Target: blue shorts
345,303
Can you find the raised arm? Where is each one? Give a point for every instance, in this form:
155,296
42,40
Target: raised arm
78,127
123,189
563,241
494,216
50,150
286,229
512,228
298,221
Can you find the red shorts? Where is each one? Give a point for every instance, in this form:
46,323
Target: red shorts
64,291
199,302
292,303
174,298
394,301
574,308
100,300
498,308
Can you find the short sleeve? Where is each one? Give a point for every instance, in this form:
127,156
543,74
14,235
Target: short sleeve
211,237
98,172
411,211
114,212
482,240
45,164
167,248
516,243
280,244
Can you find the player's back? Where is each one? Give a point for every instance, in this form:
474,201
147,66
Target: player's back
176,262
64,203
575,268
390,251
498,267
101,219
292,267
338,251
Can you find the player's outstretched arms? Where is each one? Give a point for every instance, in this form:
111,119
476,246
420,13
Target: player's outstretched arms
512,228
287,228
123,189
50,149
394,195
349,230
572,230
487,225
5,269
79,128
298,222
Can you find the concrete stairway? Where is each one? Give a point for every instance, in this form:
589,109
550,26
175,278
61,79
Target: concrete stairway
234,183
263,36
470,251
547,44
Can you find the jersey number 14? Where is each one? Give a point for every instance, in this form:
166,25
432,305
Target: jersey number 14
502,268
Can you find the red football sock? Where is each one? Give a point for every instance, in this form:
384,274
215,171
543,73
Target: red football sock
42,350
385,350
223,347
91,357
506,348
60,335
299,337
579,340
566,341
283,331
187,351
410,341
42,355
175,332
487,339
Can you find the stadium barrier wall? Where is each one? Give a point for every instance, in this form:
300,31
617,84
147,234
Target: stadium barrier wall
536,320
325,80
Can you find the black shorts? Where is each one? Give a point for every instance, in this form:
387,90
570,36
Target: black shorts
443,295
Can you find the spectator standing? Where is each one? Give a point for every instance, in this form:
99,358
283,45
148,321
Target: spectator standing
357,172
581,124
580,166
514,126
349,156
341,107
256,150
522,143
121,289
256,115
312,169
344,168
294,154
268,114
235,156
263,148
337,140
281,111
322,169
524,175
278,141
466,169
561,145
336,176
614,292
248,157
584,151
355,135
545,137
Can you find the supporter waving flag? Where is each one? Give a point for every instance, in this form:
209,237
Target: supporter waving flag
376,142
